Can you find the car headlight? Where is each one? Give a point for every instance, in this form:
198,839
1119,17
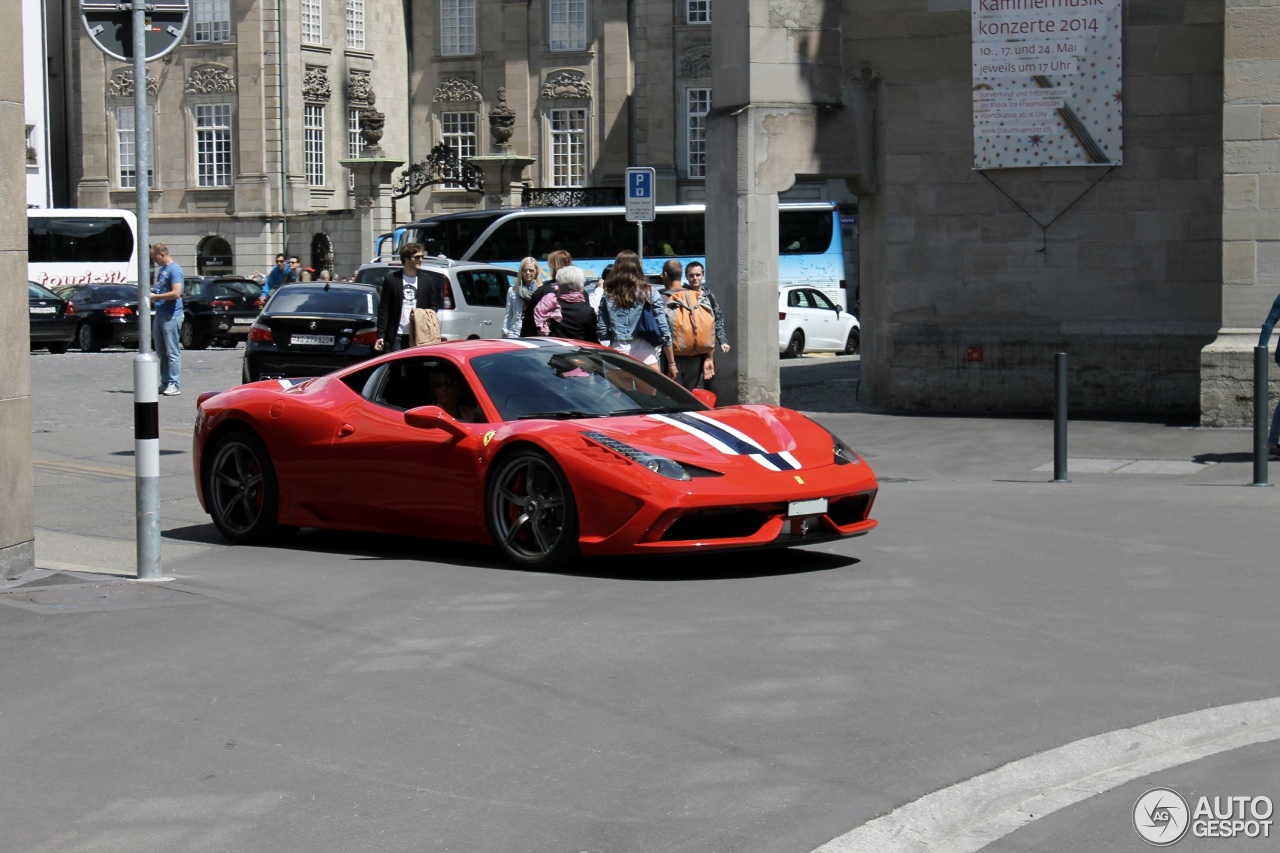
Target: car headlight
661,465
844,454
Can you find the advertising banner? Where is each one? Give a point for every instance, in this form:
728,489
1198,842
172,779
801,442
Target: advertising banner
1048,84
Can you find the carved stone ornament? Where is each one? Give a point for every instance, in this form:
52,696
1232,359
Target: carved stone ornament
210,80
372,124
696,62
315,85
456,89
566,84
359,87
502,121
121,85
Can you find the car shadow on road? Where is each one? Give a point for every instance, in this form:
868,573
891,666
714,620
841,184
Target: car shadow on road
707,566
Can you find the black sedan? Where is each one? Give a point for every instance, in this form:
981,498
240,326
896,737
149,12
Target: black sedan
312,328
218,310
53,319
105,313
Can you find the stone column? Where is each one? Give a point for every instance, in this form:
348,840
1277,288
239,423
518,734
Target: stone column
17,519
373,197
776,74
1250,210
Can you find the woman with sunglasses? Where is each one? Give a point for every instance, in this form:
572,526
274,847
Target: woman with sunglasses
518,298
447,389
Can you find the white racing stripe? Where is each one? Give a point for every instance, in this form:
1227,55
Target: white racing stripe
697,433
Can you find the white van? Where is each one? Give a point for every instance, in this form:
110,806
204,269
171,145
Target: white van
475,295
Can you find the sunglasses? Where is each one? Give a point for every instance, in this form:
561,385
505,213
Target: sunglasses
416,257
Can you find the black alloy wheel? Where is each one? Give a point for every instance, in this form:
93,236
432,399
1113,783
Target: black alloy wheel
241,490
531,511
795,346
188,338
853,345
88,340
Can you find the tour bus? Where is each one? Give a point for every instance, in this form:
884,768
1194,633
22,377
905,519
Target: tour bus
810,245
77,246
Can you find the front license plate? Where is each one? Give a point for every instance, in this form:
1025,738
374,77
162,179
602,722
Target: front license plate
812,507
313,340
242,321
40,309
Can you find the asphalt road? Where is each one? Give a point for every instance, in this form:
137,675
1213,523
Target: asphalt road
1006,664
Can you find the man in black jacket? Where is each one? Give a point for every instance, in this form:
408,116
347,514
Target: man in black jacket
403,290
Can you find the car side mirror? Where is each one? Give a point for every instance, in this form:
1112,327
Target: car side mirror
705,397
838,309
434,417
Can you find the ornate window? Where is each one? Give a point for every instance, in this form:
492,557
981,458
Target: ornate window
568,131
211,20
312,31
313,143
698,11
459,130
697,105
355,24
568,24
127,150
213,144
457,27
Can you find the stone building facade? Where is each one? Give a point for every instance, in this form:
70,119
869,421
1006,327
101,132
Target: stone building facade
252,114
1151,275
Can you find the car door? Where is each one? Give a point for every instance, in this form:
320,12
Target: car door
812,319
831,339
418,482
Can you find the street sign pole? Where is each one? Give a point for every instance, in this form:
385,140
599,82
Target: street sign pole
141,33
641,182
146,367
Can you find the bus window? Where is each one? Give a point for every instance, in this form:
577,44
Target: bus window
79,246
804,232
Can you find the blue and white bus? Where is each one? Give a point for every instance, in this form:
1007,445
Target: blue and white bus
78,246
810,244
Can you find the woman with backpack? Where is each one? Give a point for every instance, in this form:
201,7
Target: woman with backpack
628,321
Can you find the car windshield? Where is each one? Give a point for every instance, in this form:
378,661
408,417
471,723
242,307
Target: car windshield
113,292
238,287
576,383
318,299
374,275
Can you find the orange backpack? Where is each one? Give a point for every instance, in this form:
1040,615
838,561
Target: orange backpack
693,323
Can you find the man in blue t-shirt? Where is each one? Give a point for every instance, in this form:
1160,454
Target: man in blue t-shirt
166,319
276,277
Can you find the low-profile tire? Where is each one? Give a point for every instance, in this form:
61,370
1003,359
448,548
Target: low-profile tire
188,339
88,339
795,346
58,349
853,344
241,491
531,511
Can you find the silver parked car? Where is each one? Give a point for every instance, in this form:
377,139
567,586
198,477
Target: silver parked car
475,295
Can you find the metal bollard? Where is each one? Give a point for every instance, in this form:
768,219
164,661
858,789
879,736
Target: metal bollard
1060,418
1260,422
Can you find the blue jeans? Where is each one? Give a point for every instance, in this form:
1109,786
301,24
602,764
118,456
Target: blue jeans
165,327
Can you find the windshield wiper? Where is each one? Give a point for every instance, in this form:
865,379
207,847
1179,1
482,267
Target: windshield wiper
565,415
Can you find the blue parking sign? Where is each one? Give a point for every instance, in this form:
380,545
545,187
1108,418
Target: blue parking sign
640,190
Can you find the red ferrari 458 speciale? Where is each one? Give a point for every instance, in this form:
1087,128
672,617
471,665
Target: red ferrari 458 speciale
549,449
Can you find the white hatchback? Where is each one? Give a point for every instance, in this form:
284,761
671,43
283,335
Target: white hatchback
810,322
475,295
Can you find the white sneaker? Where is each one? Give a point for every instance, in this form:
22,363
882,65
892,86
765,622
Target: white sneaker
171,390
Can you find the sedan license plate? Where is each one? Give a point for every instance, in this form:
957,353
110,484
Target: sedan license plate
242,321
810,507
312,340
43,309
